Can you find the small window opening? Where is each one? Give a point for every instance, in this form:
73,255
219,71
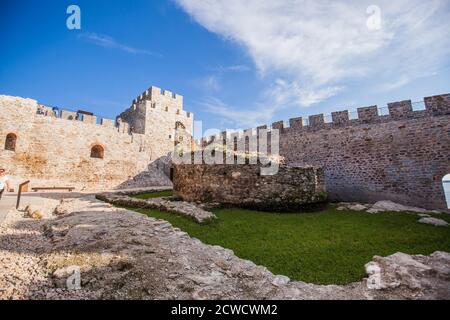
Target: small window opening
97,152
10,142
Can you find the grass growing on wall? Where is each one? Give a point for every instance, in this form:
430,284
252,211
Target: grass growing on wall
329,247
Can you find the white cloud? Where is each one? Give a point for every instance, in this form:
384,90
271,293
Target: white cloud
284,93
207,84
211,83
109,42
236,117
311,49
231,68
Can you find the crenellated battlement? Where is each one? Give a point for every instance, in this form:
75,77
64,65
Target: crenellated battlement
82,117
158,95
434,106
133,119
399,152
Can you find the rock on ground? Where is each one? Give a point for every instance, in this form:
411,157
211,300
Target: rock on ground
120,254
183,208
413,273
434,221
352,206
383,206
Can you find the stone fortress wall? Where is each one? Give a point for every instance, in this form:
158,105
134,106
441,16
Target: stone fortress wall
55,149
401,156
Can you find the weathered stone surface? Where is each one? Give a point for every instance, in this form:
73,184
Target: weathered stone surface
380,157
35,212
375,157
64,207
61,278
280,280
126,255
348,150
412,277
381,206
290,189
385,206
434,221
352,206
186,209
56,151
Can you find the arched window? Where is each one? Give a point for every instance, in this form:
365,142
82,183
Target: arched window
179,132
446,183
97,152
10,142
178,125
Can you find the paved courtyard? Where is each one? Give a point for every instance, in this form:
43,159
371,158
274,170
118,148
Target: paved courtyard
7,203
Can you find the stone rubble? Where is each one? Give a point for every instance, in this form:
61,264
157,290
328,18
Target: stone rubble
352,206
187,209
434,221
389,206
383,206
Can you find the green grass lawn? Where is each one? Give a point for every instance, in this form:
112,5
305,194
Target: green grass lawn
157,194
329,247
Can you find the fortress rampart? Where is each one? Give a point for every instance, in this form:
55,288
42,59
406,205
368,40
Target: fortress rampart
401,156
53,147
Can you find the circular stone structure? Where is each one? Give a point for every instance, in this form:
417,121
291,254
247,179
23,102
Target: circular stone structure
290,189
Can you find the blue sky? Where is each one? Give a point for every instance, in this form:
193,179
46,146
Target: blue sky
238,63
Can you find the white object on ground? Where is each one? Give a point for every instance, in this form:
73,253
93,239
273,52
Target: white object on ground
434,221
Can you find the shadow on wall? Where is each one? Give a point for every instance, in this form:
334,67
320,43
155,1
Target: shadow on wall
446,184
157,174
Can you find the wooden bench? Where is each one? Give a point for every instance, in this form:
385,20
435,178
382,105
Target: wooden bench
36,189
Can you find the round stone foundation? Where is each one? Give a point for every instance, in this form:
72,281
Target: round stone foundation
290,189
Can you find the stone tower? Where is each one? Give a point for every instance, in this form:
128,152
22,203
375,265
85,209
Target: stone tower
156,114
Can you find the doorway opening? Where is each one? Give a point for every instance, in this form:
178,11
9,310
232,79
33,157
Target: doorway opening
446,184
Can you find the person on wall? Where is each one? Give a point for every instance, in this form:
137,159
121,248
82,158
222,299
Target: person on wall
4,182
